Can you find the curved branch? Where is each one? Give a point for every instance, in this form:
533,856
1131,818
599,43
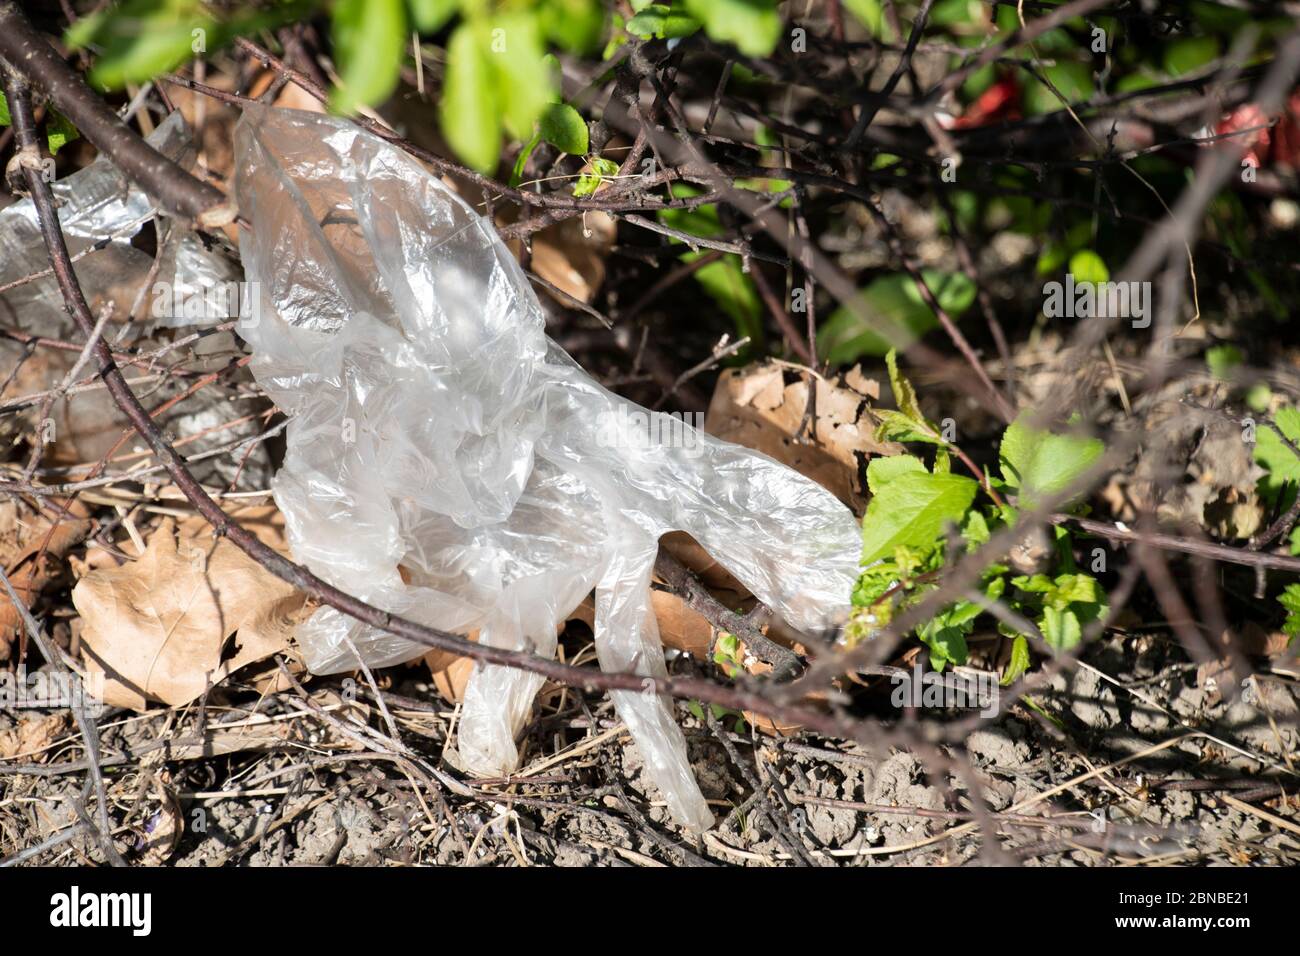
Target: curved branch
175,189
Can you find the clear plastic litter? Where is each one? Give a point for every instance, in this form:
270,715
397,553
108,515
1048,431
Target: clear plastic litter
446,461
101,212
100,206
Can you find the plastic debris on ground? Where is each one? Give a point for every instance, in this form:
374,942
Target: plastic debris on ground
194,283
447,462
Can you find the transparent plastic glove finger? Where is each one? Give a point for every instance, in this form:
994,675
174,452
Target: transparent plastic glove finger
627,639
497,702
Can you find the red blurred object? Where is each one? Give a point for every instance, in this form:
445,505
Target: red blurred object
998,104
1247,117
1286,135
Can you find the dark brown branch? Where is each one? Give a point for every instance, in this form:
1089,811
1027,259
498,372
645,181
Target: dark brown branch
1169,542
784,662
178,192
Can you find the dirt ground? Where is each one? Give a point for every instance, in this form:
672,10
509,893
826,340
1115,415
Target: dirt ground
1128,759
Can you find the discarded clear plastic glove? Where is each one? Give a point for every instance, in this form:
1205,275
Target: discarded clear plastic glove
446,461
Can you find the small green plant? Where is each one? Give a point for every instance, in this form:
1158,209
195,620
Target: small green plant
752,26
1279,486
920,518
59,130
499,83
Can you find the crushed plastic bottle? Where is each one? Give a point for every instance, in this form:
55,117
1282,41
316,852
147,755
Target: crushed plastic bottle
446,461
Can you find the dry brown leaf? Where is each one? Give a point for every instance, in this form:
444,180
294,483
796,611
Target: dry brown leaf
755,407
33,736
163,826
680,627
158,628
33,549
266,522
450,673
571,254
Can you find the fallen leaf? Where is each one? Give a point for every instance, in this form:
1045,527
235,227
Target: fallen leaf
266,522
451,671
755,407
161,831
571,254
183,616
33,548
450,674
33,735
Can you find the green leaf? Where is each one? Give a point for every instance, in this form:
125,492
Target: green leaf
1039,463
524,81
430,16
912,512
753,26
575,25
139,39
884,471
1071,78
564,128
1075,589
904,394
1259,397
1274,455
4,111
517,171
469,118
1087,266
369,46
659,22
1290,601
868,13
1019,662
947,644
1222,359
892,303
975,530
59,131
908,423
1061,628
589,181
1190,54
895,426
726,283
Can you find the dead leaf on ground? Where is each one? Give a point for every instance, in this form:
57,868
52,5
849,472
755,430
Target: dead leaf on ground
571,254
160,833
33,736
451,671
266,522
184,615
755,407
1251,641
33,547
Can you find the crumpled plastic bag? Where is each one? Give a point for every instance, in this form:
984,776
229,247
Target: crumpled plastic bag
100,205
101,211
447,462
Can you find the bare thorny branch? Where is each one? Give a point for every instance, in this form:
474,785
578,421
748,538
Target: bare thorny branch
30,58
